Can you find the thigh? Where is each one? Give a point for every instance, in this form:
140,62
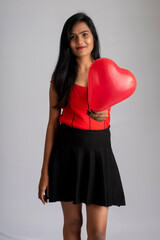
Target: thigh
72,212
96,217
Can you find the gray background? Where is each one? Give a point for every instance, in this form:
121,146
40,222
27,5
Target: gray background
129,35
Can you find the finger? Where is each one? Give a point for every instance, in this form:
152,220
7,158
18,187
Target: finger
100,113
99,118
97,113
43,198
40,195
93,111
47,191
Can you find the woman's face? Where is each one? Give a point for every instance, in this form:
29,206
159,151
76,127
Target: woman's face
81,35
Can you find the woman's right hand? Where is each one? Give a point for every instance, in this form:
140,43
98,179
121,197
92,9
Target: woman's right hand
43,184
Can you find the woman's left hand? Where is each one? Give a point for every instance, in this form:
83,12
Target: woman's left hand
98,116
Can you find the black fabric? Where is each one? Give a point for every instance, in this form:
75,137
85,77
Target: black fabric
83,168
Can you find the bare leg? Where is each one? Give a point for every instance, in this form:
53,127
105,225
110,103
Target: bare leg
73,220
96,221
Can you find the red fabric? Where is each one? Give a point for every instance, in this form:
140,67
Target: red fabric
75,113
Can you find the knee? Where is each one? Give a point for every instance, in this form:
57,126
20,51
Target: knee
97,235
73,226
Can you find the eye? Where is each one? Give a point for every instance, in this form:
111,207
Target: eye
85,34
72,36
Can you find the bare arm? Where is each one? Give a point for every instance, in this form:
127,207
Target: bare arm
49,141
51,129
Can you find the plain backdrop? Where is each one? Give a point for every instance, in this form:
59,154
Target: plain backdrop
30,32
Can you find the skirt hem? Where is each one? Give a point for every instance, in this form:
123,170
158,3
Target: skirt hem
88,203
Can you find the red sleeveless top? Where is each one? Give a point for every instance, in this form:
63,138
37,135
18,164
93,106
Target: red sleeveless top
75,113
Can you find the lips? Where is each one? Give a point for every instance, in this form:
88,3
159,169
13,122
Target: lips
80,48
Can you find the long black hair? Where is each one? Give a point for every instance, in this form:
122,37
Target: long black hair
65,72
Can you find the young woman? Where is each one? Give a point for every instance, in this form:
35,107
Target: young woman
79,165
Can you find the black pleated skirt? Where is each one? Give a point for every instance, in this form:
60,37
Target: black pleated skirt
82,168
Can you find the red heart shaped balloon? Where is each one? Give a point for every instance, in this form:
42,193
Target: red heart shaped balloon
108,84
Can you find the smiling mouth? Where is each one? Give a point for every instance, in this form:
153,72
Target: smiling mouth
79,48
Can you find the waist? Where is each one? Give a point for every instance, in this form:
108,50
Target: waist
69,137
81,121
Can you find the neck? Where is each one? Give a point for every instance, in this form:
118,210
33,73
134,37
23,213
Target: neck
84,63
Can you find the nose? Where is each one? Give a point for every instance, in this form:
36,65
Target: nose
79,40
